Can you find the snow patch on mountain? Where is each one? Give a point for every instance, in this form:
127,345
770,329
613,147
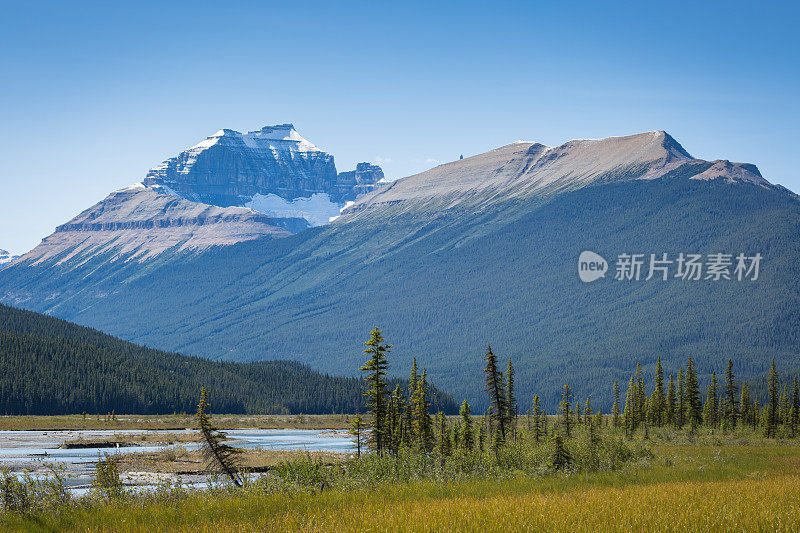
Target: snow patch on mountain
6,258
318,209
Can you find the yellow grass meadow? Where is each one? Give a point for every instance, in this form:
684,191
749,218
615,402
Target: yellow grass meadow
688,488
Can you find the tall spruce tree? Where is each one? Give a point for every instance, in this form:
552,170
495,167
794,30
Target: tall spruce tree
669,416
443,442
496,391
657,400
565,409
375,369
587,412
511,400
615,405
641,395
680,412
422,423
482,433
710,410
795,420
771,418
396,420
745,408
467,439
755,414
694,408
784,408
412,379
630,409
729,408
537,419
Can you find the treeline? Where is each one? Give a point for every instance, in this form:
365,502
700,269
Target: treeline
403,421
50,366
723,406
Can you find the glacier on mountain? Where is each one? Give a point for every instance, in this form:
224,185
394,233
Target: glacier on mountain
318,209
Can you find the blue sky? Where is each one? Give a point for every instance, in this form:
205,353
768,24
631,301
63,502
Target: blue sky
94,94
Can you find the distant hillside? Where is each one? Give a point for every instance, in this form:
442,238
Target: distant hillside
51,366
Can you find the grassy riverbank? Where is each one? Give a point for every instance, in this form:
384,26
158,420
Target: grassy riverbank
753,487
707,481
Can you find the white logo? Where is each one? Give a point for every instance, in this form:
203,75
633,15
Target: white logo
591,266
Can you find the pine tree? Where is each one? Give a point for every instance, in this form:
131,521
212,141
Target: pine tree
565,406
561,458
615,406
680,412
467,439
412,380
771,418
543,423
784,407
657,401
729,407
496,392
694,409
641,396
670,404
745,407
357,429
630,409
578,418
482,434
537,415
214,448
755,414
422,423
795,422
443,443
710,408
511,400
375,369
396,421
587,413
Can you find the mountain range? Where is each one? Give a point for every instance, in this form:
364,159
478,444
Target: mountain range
477,251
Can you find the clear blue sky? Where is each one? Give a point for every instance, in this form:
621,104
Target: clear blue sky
94,94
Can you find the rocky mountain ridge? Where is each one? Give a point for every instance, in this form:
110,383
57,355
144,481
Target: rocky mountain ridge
526,169
230,168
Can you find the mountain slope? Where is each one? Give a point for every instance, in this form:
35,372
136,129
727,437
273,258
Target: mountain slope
139,223
446,270
50,366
